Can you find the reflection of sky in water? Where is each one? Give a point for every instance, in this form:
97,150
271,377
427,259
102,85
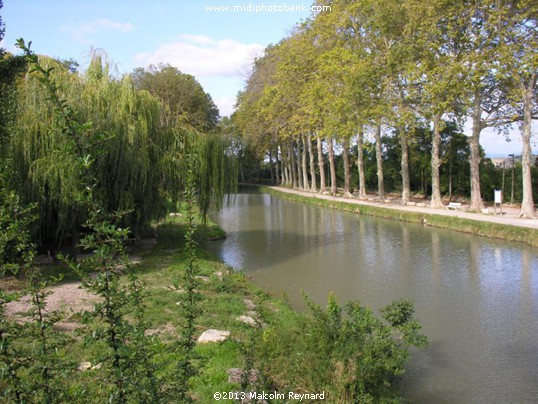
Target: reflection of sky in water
476,297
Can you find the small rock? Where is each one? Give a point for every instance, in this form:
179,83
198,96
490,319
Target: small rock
213,336
235,375
203,278
485,211
421,204
411,204
218,274
151,331
247,320
84,366
250,304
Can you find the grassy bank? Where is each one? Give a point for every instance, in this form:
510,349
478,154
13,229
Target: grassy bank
492,230
346,353
226,295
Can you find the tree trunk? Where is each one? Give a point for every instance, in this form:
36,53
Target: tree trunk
306,185
436,201
286,160
360,164
293,166
332,167
321,163
271,174
406,185
379,159
286,166
527,204
450,180
347,173
277,168
474,143
241,172
313,185
299,171
75,244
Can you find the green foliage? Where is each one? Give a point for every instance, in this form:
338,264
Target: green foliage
127,369
395,63
345,351
134,144
191,297
184,100
31,362
10,68
127,372
16,248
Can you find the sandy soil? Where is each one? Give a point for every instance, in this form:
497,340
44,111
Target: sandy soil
69,298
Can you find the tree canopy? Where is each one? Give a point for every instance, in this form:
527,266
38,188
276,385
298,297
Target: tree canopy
183,98
368,69
137,129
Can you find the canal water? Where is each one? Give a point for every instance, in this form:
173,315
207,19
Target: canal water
476,298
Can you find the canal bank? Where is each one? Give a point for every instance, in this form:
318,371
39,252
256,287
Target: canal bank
475,297
508,226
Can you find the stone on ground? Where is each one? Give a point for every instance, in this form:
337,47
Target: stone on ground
235,375
250,305
247,320
213,336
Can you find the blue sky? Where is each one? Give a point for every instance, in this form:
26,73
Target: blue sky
217,47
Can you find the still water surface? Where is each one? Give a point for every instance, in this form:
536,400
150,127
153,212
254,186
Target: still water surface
476,298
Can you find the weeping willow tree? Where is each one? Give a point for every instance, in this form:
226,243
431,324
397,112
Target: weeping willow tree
138,160
128,122
46,172
217,172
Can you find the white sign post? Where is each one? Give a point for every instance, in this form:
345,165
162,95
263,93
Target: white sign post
498,194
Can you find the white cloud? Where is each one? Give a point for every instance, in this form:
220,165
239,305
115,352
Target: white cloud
81,32
116,26
201,55
225,105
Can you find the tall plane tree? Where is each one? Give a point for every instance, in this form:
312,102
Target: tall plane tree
516,24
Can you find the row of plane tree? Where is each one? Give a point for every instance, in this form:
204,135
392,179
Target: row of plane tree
367,68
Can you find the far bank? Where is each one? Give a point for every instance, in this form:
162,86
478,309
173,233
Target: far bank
510,229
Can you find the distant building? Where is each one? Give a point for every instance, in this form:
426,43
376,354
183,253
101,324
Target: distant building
506,162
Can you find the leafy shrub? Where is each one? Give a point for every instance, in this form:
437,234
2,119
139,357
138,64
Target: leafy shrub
346,351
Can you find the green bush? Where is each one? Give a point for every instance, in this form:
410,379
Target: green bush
347,352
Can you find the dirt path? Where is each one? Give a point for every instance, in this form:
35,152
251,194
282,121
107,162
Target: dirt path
510,215
69,298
